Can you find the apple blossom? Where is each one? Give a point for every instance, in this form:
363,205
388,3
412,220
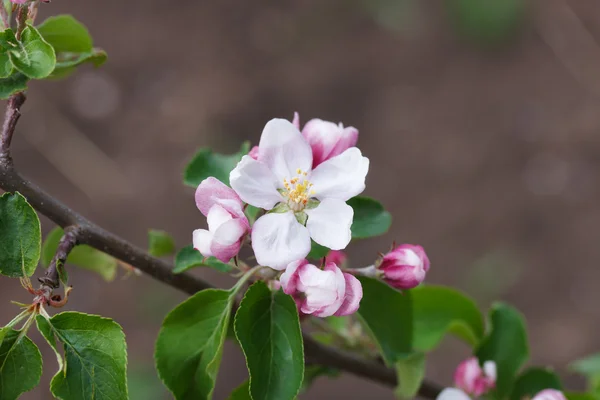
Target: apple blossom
471,378
404,267
227,224
304,203
550,394
321,292
328,139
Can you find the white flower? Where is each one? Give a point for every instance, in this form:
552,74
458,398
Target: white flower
310,203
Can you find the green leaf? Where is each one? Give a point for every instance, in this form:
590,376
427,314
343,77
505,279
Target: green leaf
370,218
268,329
410,371
533,381
6,66
20,365
66,34
242,392
20,236
313,372
506,344
32,55
46,331
72,43
206,163
317,251
590,368
15,83
66,62
160,243
82,256
387,314
190,344
95,362
581,396
438,310
188,258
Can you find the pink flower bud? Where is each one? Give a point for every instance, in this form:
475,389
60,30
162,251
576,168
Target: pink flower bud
327,139
405,266
19,1
474,380
550,394
337,257
227,223
321,292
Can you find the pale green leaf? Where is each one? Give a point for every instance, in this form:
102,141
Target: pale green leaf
66,34
20,236
207,163
160,243
81,256
32,55
188,258
410,371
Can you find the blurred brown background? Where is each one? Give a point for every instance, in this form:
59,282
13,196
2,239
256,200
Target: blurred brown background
480,119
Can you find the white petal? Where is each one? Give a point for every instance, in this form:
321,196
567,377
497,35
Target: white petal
216,217
278,239
283,149
341,177
255,183
329,224
489,368
229,232
452,394
202,240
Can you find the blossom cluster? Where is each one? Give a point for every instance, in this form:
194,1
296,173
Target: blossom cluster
473,381
302,180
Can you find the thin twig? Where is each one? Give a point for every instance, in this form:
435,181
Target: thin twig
95,236
22,14
11,117
4,16
66,244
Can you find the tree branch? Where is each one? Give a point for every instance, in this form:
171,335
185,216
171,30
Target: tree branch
79,230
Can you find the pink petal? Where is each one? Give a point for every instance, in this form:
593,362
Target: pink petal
289,279
296,120
352,297
340,288
211,191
